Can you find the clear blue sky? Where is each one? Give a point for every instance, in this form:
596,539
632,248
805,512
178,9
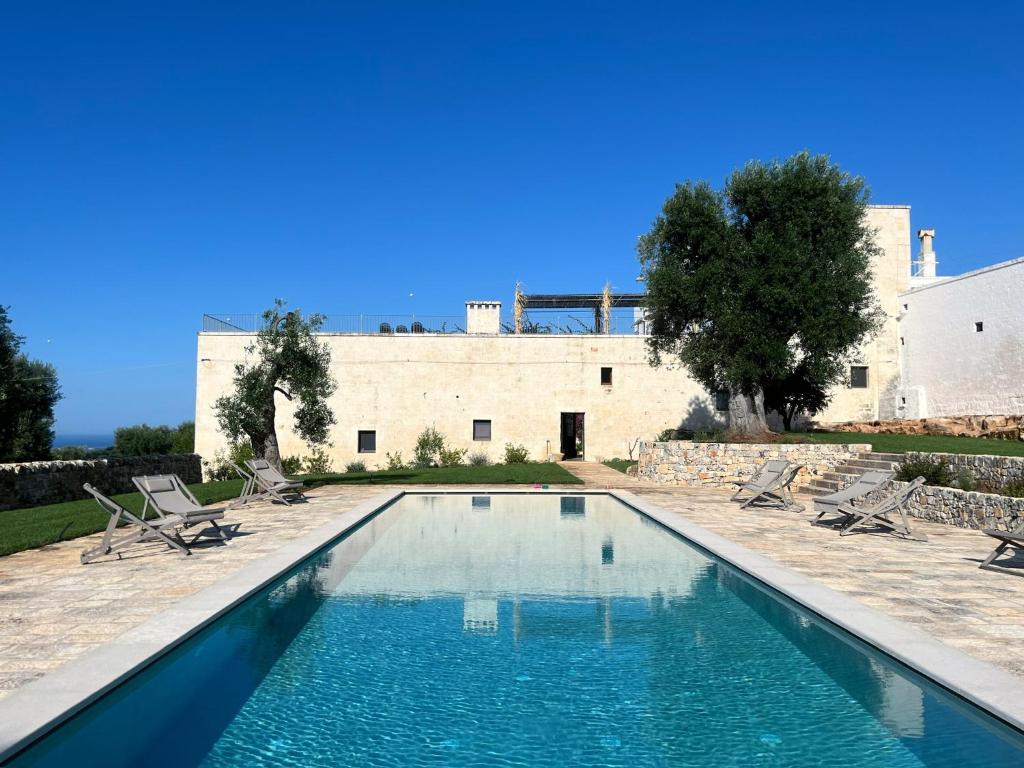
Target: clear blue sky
161,160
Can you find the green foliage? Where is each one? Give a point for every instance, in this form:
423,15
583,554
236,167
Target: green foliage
394,461
452,457
479,459
666,435
965,481
516,454
429,445
291,465
318,462
619,465
765,287
355,466
144,440
220,468
1014,490
28,393
935,473
78,453
290,361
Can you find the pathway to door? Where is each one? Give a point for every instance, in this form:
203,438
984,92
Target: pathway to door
597,475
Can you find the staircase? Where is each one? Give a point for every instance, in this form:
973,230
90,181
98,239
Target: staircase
845,473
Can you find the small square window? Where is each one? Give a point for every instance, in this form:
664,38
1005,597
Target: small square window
979,327
722,400
481,429
902,342
858,377
606,376
367,441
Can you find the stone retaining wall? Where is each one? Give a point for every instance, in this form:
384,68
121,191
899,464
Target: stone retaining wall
966,509
49,482
719,465
991,471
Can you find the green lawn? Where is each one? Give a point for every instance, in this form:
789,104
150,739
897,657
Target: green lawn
37,526
620,465
904,443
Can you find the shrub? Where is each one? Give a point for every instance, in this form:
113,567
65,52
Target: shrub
318,462
665,435
965,481
934,472
394,461
452,457
291,465
516,454
428,448
220,468
1014,490
144,440
479,459
355,466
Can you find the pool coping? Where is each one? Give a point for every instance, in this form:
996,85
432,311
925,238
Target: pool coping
42,705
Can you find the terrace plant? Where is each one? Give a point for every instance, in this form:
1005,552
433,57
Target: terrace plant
427,452
288,361
763,288
516,454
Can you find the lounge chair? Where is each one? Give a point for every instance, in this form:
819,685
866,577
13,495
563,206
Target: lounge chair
1007,539
272,483
137,531
770,486
869,482
170,497
248,488
882,514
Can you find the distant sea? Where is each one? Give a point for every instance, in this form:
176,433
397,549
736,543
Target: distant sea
86,441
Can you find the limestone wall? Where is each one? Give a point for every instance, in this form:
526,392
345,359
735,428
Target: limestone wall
50,482
719,465
990,471
966,509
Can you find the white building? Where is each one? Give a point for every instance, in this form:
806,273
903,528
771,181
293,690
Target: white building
946,346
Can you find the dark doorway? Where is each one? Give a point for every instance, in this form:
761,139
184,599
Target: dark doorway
572,436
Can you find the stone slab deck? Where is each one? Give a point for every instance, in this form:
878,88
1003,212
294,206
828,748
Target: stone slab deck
53,609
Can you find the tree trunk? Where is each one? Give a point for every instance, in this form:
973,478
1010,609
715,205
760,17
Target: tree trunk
271,451
265,446
787,418
746,413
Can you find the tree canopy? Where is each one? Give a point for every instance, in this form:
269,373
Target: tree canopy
144,440
763,288
290,361
28,393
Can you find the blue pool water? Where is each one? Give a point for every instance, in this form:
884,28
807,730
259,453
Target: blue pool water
523,631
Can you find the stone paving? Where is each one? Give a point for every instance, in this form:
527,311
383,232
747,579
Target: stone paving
53,609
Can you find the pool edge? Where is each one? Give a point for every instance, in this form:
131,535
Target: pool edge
994,690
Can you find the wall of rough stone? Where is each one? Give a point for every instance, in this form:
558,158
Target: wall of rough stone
991,472
966,509
719,465
50,482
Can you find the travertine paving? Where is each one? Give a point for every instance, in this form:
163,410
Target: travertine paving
52,609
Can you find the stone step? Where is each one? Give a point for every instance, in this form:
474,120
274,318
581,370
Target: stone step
816,491
886,466
872,456
821,484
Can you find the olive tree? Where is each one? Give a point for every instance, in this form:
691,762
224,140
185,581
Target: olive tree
763,288
287,360
28,393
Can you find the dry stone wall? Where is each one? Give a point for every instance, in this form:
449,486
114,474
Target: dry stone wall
719,465
50,482
966,509
990,471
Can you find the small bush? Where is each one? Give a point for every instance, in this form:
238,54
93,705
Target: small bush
965,481
355,466
428,448
318,462
394,461
220,468
516,454
452,457
479,459
291,465
1014,490
665,435
935,473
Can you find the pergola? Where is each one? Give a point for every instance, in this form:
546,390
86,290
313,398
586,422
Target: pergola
602,304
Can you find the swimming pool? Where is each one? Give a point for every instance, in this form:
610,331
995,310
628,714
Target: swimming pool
523,630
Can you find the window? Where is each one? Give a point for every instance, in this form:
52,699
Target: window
367,441
481,429
606,376
979,327
858,377
722,400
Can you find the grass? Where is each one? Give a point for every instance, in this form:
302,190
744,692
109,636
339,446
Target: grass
882,443
32,527
620,465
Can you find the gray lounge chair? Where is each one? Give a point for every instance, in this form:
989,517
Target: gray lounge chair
168,496
770,486
272,483
137,530
883,513
1007,539
248,488
867,483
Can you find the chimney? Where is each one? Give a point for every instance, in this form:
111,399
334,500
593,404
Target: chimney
483,317
924,266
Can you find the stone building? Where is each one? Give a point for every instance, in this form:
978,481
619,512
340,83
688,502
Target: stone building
594,394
